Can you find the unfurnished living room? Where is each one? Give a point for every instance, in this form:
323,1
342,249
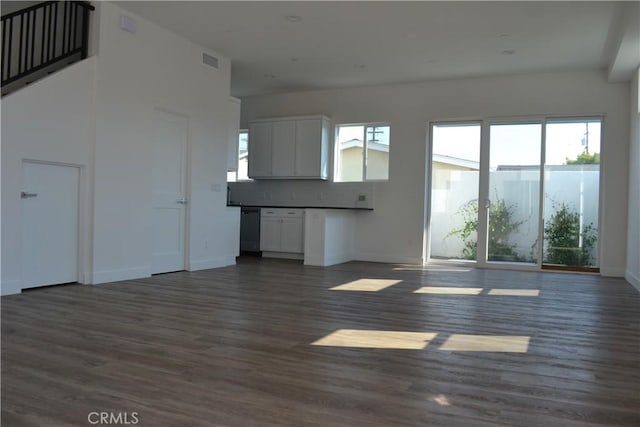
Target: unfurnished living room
298,213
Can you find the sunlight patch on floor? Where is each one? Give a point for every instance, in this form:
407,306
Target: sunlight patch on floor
492,343
448,290
366,285
515,292
441,400
377,339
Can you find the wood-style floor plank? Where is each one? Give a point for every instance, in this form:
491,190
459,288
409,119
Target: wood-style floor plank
233,347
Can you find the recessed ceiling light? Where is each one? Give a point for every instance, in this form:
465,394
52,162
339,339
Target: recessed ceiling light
293,18
508,52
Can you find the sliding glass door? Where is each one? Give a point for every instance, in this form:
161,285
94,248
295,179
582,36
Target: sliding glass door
516,193
513,193
571,194
455,170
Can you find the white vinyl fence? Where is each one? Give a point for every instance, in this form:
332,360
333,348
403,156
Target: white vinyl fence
575,185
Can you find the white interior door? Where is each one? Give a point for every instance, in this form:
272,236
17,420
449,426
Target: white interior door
169,192
49,224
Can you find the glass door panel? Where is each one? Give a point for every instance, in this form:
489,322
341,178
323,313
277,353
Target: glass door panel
571,193
514,192
455,165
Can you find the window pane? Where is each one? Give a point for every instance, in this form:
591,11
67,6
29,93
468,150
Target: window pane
377,152
514,189
349,153
571,184
243,155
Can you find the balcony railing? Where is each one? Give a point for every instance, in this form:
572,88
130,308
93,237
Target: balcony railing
36,37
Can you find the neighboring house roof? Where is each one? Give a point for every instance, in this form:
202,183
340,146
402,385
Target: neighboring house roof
352,143
456,161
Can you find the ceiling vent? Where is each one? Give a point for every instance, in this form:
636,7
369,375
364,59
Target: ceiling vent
209,60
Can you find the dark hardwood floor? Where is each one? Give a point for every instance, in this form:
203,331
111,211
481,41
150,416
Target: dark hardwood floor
233,346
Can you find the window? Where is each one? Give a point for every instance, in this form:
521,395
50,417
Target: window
362,152
243,159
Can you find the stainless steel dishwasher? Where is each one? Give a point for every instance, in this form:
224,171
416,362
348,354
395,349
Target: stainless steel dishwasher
250,230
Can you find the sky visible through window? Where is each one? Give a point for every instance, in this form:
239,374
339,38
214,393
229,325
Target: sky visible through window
347,133
564,140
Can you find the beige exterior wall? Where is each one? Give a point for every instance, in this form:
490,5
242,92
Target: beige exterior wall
442,174
351,164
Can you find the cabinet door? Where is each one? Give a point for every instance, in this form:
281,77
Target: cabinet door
260,149
270,233
284,148
292,239
308,148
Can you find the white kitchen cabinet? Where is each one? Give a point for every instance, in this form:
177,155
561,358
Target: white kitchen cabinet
289,148
292,235
270,233
311,157
282,230
283,148
260,141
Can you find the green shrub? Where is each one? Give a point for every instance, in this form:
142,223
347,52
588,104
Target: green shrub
566,244
501,225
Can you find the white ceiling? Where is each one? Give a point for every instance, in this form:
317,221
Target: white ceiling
340,44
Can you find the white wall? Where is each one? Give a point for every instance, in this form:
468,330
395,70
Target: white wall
633,233
50,120
394,230
136,73
98,113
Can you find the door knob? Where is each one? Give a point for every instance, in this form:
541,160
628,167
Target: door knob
25,195
182,201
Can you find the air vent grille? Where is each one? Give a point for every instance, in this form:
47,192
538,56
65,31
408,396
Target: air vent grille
209,60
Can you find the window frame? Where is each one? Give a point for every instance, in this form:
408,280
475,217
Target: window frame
337,159
235,174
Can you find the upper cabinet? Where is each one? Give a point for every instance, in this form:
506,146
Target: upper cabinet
289,148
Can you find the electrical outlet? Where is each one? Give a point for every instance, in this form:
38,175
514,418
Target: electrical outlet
362,197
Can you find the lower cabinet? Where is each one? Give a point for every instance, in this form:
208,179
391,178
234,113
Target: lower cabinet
282,230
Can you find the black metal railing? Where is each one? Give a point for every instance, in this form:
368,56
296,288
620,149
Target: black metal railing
37,37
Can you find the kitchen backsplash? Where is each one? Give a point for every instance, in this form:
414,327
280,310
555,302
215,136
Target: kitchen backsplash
301,193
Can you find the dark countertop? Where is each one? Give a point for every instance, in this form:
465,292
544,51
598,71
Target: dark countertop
238,205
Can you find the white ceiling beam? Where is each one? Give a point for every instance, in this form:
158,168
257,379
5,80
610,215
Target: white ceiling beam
625,59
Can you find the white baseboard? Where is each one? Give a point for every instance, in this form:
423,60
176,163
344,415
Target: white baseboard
118,275
633,279
10,287
282,255
205,264
390,259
